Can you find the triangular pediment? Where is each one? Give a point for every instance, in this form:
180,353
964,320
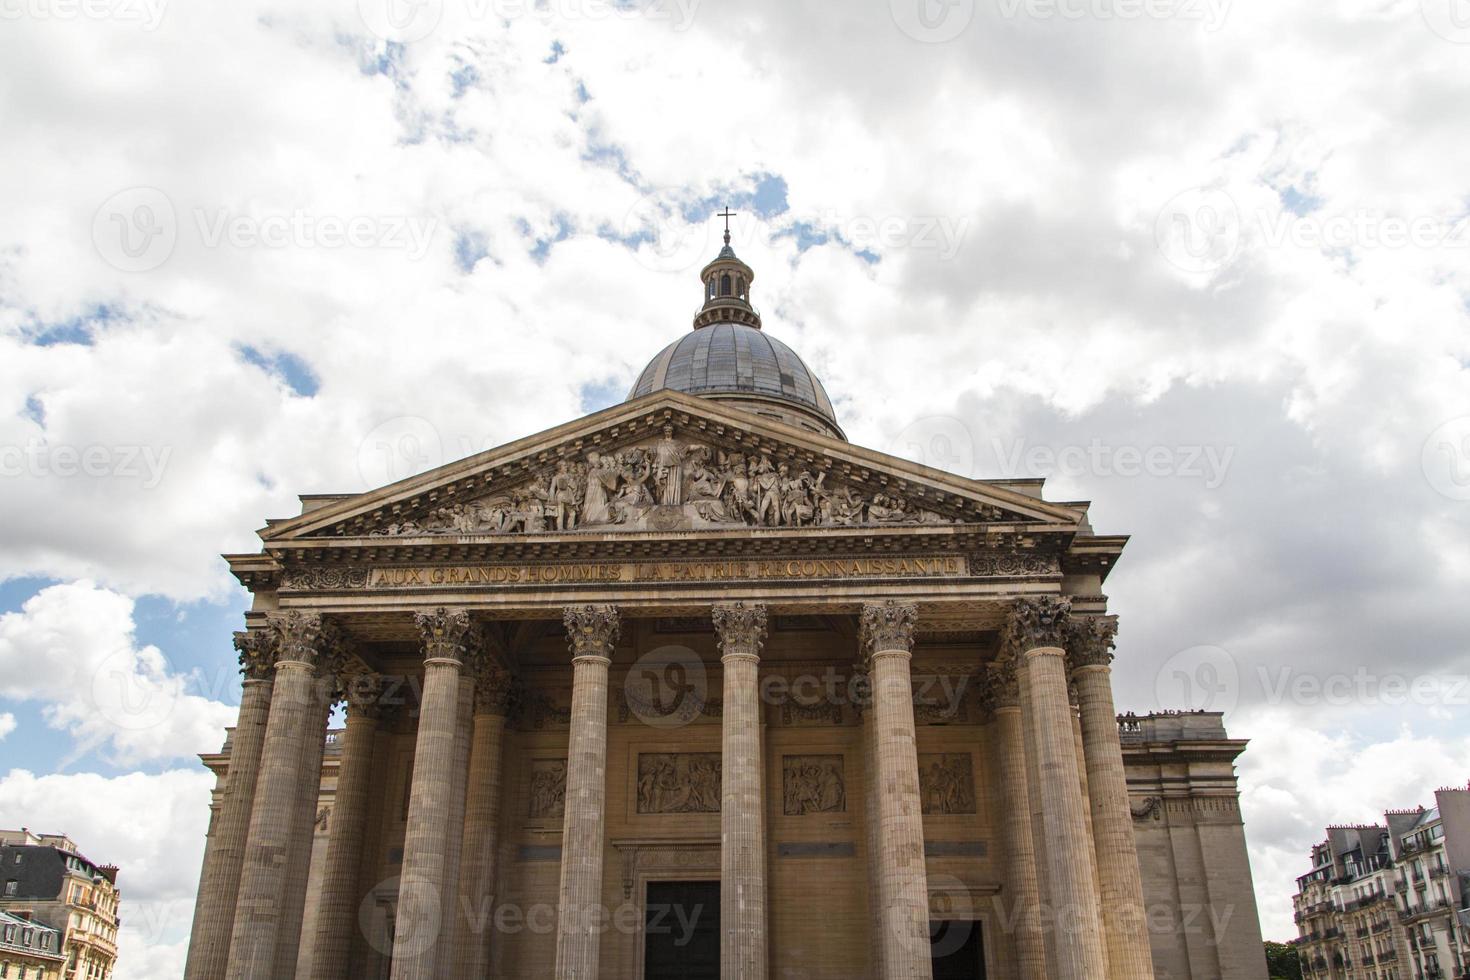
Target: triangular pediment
669,462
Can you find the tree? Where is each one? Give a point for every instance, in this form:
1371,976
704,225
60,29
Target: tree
1282,962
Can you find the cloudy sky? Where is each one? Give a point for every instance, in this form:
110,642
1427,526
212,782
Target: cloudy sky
1202,262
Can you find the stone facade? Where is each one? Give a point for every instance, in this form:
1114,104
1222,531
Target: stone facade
690,687
69,904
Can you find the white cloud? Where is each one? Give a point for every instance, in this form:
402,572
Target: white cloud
158,857
7,724
73,648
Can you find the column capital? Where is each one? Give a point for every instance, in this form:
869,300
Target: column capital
888,626
257,650
449,634
496,690
1004,689
741,627
1037,622
363,692
1090,641
592,630
305,637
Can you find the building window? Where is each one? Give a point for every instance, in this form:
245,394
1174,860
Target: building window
11,887
725,284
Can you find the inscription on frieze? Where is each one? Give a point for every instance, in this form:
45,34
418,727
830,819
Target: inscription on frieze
946,783
813,784
679,782
548,788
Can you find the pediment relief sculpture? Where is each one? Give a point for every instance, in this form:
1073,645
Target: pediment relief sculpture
669,485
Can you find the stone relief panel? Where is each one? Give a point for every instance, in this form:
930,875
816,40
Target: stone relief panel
667,485
946,783
813,784
679,782
548,788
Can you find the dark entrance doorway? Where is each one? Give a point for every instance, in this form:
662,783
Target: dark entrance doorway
681,930
958,951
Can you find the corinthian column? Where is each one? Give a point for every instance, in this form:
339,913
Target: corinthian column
888,638
337,915
742,631
482,824
1119,879
304,643
591,632
224,855
1022,894
1036,631
422,903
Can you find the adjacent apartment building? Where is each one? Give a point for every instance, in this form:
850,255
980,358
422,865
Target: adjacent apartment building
29,950
1390,901
46,880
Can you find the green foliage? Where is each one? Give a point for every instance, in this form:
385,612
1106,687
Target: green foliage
1282,962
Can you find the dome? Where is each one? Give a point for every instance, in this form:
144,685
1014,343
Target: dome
740,362
728,357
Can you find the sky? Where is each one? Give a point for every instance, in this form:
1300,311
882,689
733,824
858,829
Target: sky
1202,262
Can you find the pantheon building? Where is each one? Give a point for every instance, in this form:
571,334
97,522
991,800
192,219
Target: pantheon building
693,687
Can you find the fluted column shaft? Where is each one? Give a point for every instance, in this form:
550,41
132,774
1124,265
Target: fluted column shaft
451,937
303,834
888,630
742,630
337,916
219,882
1023,905
481,828
422,902
1120,881
877,899
294,712
591,631
1037,629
